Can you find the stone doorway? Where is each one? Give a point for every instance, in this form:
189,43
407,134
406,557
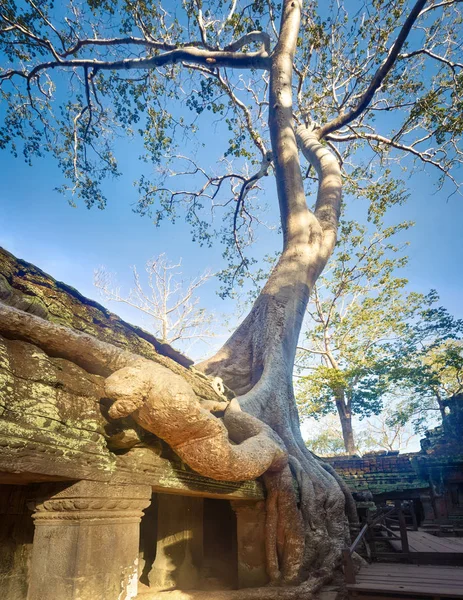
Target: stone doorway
186,543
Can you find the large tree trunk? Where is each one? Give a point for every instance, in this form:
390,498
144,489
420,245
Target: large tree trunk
348,433
306,530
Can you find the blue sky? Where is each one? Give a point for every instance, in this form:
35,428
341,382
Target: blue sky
38,225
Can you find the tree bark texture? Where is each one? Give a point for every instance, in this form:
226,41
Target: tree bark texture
347,432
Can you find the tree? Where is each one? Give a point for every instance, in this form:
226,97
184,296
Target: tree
385,432
169,302
382,432
327,439
126,64
357,309
427,365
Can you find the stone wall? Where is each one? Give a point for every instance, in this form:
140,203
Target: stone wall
74,483
432,477
379,473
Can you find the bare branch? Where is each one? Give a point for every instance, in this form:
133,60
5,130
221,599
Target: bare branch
440,5
447,62
378,78
219,58
423,156
249,38
168,301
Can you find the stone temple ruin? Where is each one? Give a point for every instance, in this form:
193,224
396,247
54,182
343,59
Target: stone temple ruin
432,479
92,508
97,509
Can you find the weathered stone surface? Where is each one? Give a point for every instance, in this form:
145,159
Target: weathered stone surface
250,518
86,541
434,475
379,473
51,423
52,426
145,465
54,420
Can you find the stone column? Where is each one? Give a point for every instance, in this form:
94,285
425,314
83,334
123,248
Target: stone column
179,551
250,523
86,541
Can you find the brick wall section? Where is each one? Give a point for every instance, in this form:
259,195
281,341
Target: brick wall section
378,473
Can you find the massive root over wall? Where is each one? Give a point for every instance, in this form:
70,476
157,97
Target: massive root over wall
232,446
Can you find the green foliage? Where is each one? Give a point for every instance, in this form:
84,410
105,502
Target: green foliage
368,338
364,390
427,364
359,308
76,111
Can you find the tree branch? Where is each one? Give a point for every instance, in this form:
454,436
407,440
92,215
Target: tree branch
427,52
219,58
440,5
125,41
378,78
328,204
252,36
422,155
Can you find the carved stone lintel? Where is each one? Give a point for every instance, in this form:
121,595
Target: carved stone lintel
90,501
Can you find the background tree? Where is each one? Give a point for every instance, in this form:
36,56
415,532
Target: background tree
385,432
76,77
171,303
326,439
382,432
427,365
358,306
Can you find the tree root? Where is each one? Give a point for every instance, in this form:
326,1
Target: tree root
165,404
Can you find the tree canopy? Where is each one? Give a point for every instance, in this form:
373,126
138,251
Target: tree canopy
368,340
359,307
426,364
78,76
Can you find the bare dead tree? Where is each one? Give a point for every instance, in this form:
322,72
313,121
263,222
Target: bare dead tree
383,433
171,303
